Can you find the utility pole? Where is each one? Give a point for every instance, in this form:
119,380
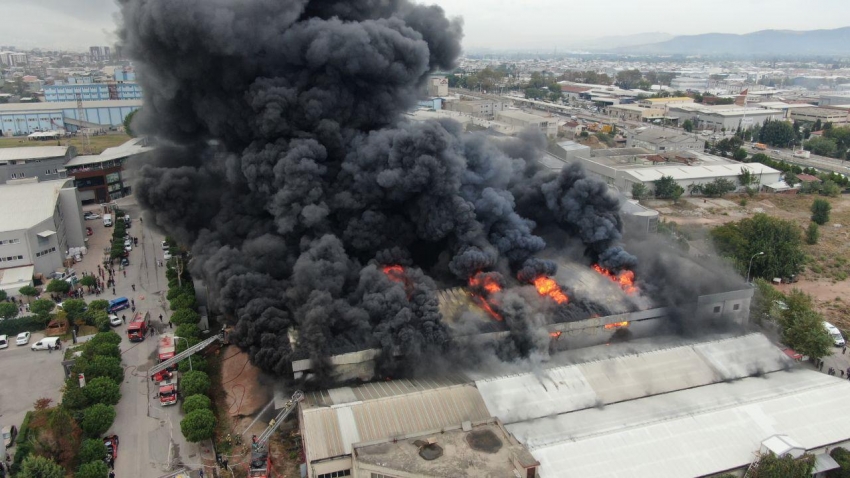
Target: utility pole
81,117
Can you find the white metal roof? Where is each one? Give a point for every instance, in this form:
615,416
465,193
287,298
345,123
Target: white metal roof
683,172
129,148
16,276
692,432
32,152
7,108
27,203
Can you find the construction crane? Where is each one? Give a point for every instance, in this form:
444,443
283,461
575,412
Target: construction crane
261,462
189,351
81,117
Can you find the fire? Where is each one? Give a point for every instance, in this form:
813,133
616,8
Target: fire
488,283
394,272
555,335
625,278
617,325
482,302
547,286
483,285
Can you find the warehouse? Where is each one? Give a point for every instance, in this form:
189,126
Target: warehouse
634,112
520,120
719,117
41,222
102,178
661,140
42,162
18,119
835,116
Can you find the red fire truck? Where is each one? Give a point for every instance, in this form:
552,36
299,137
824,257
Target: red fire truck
166,350
168,392
137,329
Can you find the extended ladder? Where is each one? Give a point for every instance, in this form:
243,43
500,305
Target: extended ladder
278,420
190,351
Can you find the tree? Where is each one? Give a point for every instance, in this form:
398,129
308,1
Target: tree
185,316
830,188
802,327
29,292
74,308
97,419
92,449
105,366
747,177
740,154
842,457
100,319
640,191
769,465
42,307
102,390
688,126
99,304
8,310
128,123
3,295
89,281
791,179
820,211
812,234
195,382
821,146
196,402
777,133
183,301
187,331
667,188
58,286
94,469
781,241
198,425
629,79
40,467
718,187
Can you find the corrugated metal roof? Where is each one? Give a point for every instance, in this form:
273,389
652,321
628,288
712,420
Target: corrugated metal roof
28,203
330,431
697,172
377,390
691,432
9,108
32,152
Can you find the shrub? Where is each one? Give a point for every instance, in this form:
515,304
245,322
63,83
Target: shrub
105,366
183,301
105,337
94,469
73,398
97,419
92,449
40,467
99,304
106,350
820,211
8,310
185,316
196,402
102,390
195,382
29,323
188,331
198,425
812,234
58,286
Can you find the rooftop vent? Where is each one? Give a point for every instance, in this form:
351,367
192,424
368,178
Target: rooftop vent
429,450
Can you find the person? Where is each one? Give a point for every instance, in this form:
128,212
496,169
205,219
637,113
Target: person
113,291
201,473
170,325
160,317
111,474
133,302
123,319
125,274
49,349
132,285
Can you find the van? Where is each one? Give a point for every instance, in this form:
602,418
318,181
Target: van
833,331
4,341
44,343
107,220
120,303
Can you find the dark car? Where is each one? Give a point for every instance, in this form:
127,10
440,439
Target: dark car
125,262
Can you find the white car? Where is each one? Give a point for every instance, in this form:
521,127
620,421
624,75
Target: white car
4,341
128,242
164,246
23,338
167,255
128,247
44,343
90,215
114,320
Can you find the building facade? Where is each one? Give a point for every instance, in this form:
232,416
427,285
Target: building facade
664,102
90,91
718,117
825,115
13,58
521,120
634,112
438,85
102,178
43,162
662,140
18,119
477,108
684,83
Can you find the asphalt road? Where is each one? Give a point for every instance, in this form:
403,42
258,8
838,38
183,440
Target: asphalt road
819,162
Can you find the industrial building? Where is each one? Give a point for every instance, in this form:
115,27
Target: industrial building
102,178
634,112
685,83
835,116
24,118
42,162
42,221
622,168
123,87
834,99
484,108
665,102
660,140
438,85
569,151
521,120
785,108
718,117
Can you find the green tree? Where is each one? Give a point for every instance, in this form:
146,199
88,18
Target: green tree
8,310
99,304
769,465
74,309
791,179
197,363
97,419
842,457
105,366
830,188
718,187
740,154
102,390
3,295
777,133
40,467
89,281
802,327
94,469
820,211
821,146
128,123
187,331
92,449
640,191
58,286
42,307
667,188
629,79
747,177
195,382
183,301
198,425
28,291
73,398
100,319
763,305
688,125
812,234
105,338
185,316
781,241
196,402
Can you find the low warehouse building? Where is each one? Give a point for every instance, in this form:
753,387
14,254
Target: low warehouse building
521,120
719,117
17,119
102,178
43,162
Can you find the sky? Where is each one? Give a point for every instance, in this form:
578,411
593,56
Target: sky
543,25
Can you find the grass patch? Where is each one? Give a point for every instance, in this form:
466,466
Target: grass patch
98,143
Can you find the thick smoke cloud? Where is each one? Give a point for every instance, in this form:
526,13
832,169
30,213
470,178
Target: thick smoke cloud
287,166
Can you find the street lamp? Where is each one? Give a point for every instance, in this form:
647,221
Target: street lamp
187,346
748,268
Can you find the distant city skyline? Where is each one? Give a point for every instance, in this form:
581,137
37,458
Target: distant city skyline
543,25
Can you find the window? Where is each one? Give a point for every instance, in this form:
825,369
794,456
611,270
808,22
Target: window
378,475
11,258
335,474
3,242
736,307
45,252
717,309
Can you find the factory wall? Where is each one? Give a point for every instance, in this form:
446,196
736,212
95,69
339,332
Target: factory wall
22,123
92,92
43,169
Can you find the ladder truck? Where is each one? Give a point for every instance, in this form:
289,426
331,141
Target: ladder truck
261,461
171,362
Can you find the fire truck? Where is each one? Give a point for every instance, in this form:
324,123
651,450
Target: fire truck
261,461
168,392
166,350
137,329
170,363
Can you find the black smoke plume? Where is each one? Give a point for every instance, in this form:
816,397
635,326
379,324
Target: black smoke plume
286,164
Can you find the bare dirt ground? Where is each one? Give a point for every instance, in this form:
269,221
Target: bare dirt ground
826,273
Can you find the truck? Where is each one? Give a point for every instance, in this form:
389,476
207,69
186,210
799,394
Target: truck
802,154
107,220
137,329
166,350
760,146
261,461
168,392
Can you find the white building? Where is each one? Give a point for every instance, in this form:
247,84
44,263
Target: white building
438,85
521,120
684,83
13,58
40,223
723,116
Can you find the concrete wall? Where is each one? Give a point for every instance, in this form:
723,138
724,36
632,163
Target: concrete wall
329,466
14,250
71,222
54,250
92,92
25,123
43,169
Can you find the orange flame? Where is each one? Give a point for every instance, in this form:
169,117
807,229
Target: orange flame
617,325
488,283
547,286
394,272
555,335
482,302
625,278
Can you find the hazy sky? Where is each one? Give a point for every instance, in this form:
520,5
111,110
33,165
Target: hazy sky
539,24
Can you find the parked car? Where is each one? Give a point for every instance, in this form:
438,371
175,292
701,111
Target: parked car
164,246
166,255
114,320
88,215
4,341
9,435
128,247
45,342
128,241
23,338
125,262
111,443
